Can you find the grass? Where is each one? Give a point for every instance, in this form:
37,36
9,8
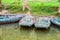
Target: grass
13,32
48,9
32,2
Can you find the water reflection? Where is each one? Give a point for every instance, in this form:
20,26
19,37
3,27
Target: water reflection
15,32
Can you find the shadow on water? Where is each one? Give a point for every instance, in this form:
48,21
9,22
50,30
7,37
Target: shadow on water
31,32
26,28
9,25
42,30
55,26
38,30
27,33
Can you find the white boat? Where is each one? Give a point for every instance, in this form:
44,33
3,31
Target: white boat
42,22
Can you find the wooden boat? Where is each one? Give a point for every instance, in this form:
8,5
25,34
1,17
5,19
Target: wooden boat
27,21
42,22
4,19
56,21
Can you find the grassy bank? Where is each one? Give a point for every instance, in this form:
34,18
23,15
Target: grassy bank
48,9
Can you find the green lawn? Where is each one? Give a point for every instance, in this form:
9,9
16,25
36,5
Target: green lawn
33,3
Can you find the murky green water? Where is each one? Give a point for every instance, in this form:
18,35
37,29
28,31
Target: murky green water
15,32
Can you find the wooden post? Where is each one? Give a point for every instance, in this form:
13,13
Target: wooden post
24,5
43,1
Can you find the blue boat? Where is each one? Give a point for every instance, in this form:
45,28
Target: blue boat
55,21
4,19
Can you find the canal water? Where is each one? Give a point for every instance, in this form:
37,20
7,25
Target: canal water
15,32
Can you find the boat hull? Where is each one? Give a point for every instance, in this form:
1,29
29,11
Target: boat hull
55,22
10,19
27,21
1,23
